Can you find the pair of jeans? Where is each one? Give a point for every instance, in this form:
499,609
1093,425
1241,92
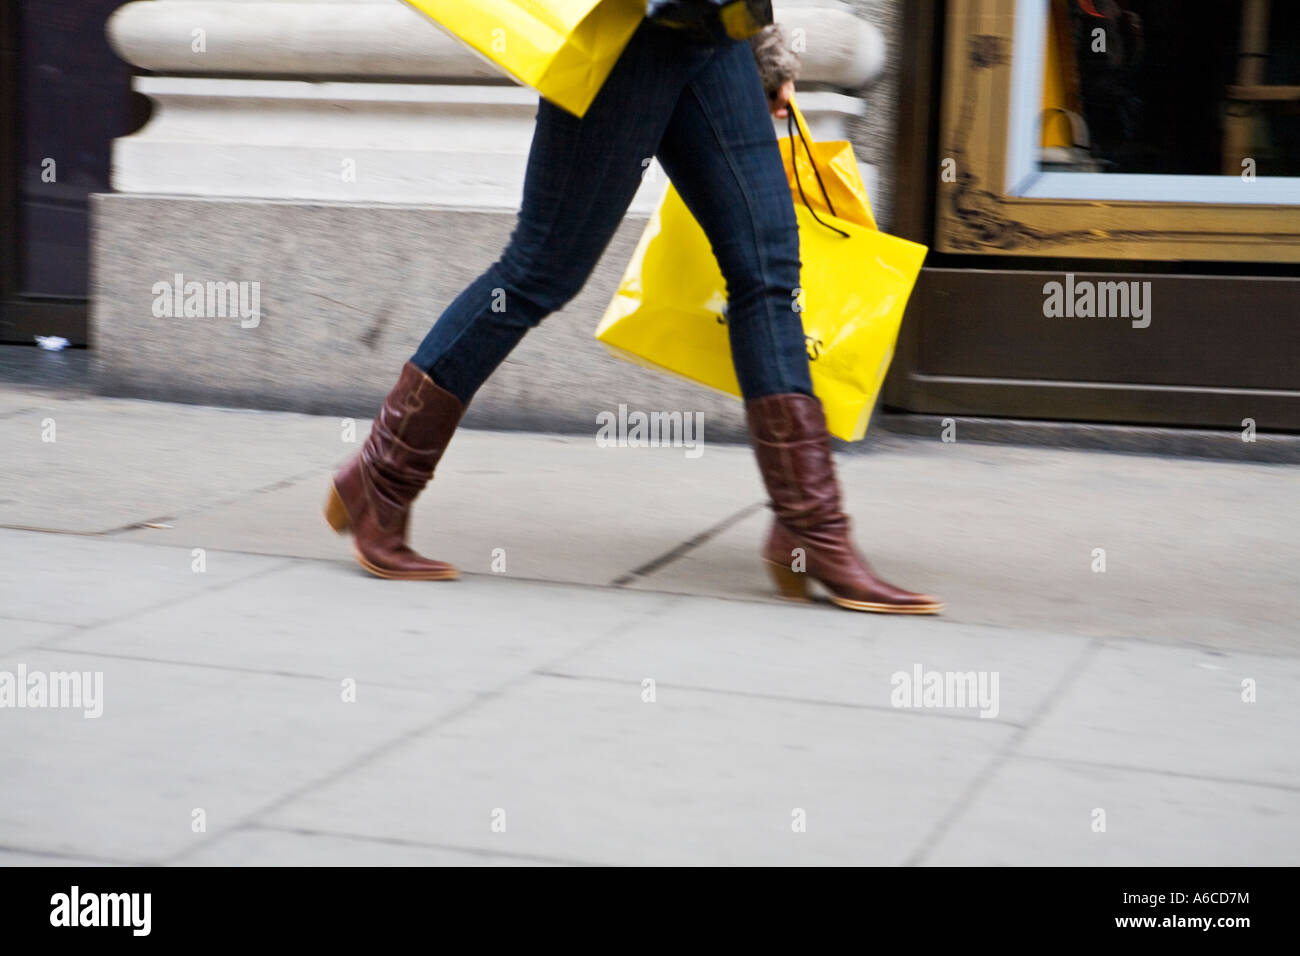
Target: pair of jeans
698,105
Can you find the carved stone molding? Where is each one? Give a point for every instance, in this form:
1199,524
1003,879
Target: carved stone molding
369,101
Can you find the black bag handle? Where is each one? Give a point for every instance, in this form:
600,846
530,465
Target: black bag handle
792,126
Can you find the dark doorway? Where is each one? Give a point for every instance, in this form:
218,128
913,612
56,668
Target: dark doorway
66,97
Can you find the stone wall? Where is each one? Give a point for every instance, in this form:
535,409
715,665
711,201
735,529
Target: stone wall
241,177
873,132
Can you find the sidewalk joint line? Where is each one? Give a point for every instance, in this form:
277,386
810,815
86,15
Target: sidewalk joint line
197,509
416,844
21,411
1159,772
205,665
384,748
982,779
278,566
215,503
668,557
60,855
785,699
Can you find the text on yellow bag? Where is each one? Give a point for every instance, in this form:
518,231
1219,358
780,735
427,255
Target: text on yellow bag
669,311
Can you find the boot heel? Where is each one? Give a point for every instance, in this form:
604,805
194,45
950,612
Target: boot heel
335,513
792,585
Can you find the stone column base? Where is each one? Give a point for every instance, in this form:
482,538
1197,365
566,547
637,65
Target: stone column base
347,291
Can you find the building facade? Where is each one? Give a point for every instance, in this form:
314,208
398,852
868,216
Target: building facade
1110,190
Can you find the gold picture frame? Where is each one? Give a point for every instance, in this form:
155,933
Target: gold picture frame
976,212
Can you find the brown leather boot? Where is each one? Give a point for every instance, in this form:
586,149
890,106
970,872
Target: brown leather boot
372,494
794,455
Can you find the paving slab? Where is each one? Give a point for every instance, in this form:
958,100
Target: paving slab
586,770
558,509
1195,552
14,402
174,738
1042,813
828,656
71,579
267,846
1178,710
331,621
521,687
25,369
115,462
38,859
18,633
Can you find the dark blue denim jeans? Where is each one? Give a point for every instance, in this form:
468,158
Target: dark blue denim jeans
699,107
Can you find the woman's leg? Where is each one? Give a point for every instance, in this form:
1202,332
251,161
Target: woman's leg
720,151
581,177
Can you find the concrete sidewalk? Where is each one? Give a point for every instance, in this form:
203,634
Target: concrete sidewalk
612,681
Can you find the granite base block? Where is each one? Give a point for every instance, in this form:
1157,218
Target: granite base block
346,292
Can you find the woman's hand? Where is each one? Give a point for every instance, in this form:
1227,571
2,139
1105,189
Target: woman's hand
779,102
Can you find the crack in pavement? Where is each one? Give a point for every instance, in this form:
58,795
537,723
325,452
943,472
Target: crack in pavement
197,509
686,547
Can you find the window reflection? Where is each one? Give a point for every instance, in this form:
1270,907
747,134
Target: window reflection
1169,87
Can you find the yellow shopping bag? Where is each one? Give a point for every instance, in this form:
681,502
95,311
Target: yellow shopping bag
669,311
564,49
825,175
